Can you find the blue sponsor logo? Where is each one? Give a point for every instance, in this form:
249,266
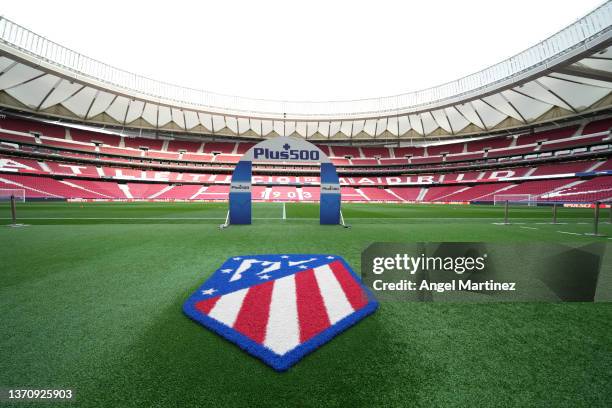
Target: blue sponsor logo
287,154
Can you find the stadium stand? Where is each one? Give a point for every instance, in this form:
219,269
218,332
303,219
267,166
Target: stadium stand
453,148
488,144
584,191
219,147
379,152
476,193
560,168
26,126
93,137
361,156
562,133
310,193
364,162
377,194
172,169
536,188
144,190
434,194
183,145
596,126
243,147
410,194
344,151
140,142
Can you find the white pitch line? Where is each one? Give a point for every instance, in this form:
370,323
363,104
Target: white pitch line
120,218
437,218
284,212
532,228
570,233
133,218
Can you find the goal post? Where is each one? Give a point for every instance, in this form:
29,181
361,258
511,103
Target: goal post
12,196
515,199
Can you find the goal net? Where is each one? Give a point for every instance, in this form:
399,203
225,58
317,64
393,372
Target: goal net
515,199
7,193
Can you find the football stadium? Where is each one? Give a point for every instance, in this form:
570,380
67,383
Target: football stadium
166,246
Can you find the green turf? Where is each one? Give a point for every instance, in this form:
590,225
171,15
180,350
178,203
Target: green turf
91,295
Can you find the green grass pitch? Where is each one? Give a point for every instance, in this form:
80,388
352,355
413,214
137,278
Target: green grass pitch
91,296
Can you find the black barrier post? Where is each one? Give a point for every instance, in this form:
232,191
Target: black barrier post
596,221
506,212
554,221
13,210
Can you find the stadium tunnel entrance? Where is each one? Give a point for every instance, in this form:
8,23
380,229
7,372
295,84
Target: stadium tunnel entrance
283,149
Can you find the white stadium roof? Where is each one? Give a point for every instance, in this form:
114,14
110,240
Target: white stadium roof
568,74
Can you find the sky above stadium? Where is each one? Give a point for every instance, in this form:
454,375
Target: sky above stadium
311,50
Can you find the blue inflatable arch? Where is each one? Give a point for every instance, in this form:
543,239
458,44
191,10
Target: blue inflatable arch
283,149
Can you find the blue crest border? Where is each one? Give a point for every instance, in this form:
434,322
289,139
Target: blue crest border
281,363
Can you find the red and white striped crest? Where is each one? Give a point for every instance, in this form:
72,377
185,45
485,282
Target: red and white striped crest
281,307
